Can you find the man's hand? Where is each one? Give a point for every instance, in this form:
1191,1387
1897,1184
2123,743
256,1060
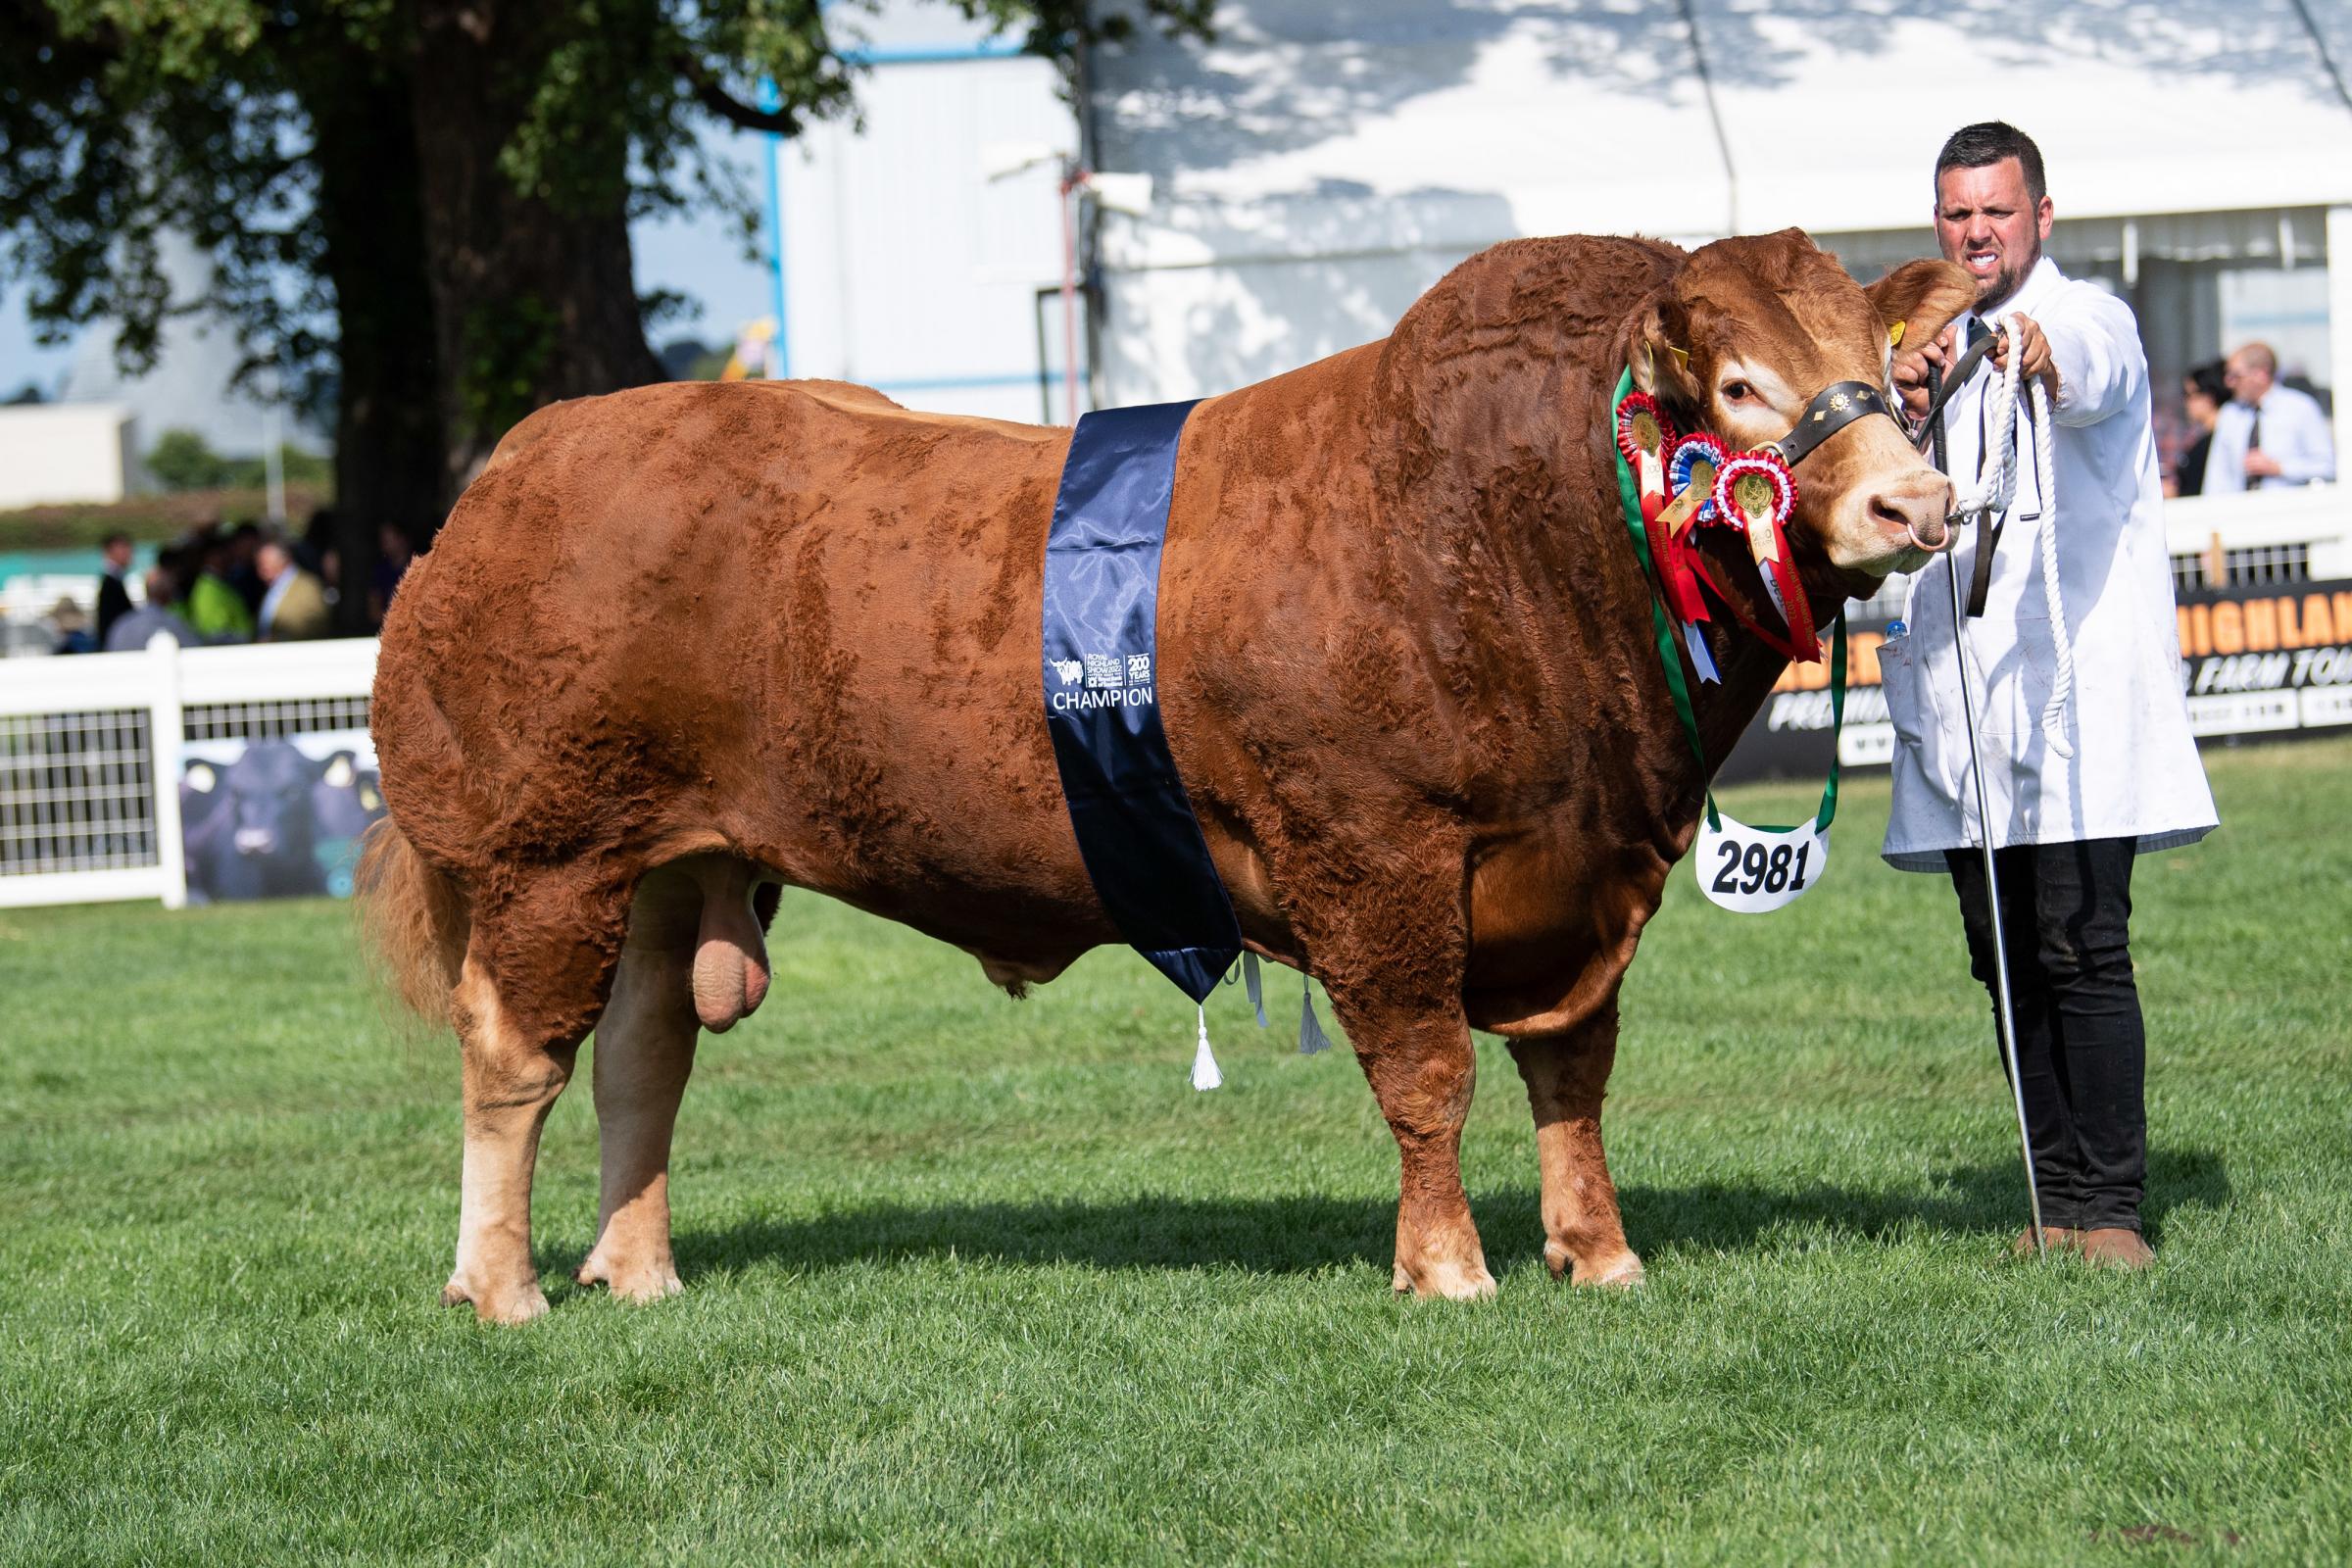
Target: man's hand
2260,465
1911,371
2036,351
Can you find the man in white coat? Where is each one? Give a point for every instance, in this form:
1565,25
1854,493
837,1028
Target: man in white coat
2079,781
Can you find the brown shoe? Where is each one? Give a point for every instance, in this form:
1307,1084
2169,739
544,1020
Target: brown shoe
2117,1247
2056,1237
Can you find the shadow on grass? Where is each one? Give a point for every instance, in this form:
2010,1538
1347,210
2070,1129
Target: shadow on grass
1304,1233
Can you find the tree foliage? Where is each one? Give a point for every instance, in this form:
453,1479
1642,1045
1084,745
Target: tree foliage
524,133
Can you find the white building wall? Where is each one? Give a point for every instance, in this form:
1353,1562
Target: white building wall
55,453
905,268
1317,166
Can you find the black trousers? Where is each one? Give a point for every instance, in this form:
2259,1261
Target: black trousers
2082,1048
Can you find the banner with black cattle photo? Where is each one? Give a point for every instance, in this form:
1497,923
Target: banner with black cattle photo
277,818
2261,664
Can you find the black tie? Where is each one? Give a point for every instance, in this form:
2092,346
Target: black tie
2254,444
1977,332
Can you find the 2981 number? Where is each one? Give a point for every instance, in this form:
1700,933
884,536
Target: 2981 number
1752,869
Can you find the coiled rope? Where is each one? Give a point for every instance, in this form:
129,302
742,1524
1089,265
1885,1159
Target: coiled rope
1996,492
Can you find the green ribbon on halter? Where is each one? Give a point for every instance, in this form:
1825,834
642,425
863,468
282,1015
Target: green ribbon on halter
1629,495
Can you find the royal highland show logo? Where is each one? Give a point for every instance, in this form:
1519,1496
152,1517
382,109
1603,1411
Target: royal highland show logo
1111,681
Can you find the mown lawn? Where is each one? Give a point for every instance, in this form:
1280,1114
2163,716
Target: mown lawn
977,1281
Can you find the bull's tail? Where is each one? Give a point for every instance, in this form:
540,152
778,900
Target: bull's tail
415,919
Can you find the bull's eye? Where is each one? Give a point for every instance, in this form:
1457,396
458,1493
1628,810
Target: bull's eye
1738,392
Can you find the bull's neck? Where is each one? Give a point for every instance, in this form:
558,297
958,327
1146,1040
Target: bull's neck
1510,483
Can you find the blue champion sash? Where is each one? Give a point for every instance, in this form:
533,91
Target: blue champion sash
1136,830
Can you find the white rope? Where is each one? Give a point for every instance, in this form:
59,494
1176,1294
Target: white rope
1996,492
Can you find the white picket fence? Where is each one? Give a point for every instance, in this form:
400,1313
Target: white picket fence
90,749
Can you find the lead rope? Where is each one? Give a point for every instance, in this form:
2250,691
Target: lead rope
1998,491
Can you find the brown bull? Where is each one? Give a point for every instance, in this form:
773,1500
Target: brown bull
681,645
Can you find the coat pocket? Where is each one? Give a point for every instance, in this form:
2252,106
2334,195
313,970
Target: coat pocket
1898,682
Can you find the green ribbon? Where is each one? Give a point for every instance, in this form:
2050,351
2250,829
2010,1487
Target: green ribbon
1629,496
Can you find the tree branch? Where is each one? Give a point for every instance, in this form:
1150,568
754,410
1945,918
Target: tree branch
727,107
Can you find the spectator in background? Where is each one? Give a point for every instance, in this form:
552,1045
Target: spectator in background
73,629
214,607
244,551
178,561
2202,392
114,593
131,632
394,553
294,603
2267,434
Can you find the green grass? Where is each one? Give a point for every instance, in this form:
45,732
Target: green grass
972,1281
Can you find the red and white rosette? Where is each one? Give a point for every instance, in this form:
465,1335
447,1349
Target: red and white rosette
1645,436
1755,491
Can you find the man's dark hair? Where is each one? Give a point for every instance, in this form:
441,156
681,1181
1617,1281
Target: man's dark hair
1988,142
117,537
2207,379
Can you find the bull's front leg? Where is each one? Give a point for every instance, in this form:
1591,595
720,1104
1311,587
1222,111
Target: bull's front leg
1584,1237
1422,1071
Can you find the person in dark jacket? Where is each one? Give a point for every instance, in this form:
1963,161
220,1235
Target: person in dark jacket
114,593
2204,392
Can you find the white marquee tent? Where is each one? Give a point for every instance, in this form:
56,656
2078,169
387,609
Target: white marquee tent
1316,167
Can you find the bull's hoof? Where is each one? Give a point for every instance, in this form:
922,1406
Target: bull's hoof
635,1283
1618,1270
515,1304
1454,1282
1620,1273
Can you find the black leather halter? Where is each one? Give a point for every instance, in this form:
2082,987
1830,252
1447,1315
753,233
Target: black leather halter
1832,409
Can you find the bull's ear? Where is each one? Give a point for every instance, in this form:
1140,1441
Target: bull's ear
1919,299
1661,363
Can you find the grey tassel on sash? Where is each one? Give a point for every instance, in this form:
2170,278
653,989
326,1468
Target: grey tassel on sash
1255,985
1311,1037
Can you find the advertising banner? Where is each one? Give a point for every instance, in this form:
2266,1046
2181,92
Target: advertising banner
277,818
2263,663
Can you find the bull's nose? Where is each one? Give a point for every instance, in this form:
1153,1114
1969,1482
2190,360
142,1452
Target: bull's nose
1915,508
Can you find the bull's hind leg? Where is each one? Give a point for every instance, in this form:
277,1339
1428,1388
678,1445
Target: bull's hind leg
694,956
526,996
1583,1236
643,1054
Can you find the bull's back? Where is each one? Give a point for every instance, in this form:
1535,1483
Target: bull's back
802,622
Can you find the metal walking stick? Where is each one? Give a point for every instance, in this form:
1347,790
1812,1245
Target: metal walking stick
2002,1009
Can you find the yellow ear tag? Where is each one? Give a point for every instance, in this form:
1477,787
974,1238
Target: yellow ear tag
1894,337
1681,358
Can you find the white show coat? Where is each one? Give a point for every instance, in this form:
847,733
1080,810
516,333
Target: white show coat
2134,772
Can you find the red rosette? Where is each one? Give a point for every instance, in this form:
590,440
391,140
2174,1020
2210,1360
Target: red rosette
1689,453
1629,440
1763,515
1751,466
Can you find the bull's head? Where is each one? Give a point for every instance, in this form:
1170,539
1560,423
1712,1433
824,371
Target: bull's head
1743,335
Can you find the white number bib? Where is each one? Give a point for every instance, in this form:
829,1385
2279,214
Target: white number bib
1751,870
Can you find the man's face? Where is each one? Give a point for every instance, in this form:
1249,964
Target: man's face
2246,381
1986,222
270,562
118,554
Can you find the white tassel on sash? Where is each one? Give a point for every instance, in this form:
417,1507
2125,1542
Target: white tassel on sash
1204,1063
